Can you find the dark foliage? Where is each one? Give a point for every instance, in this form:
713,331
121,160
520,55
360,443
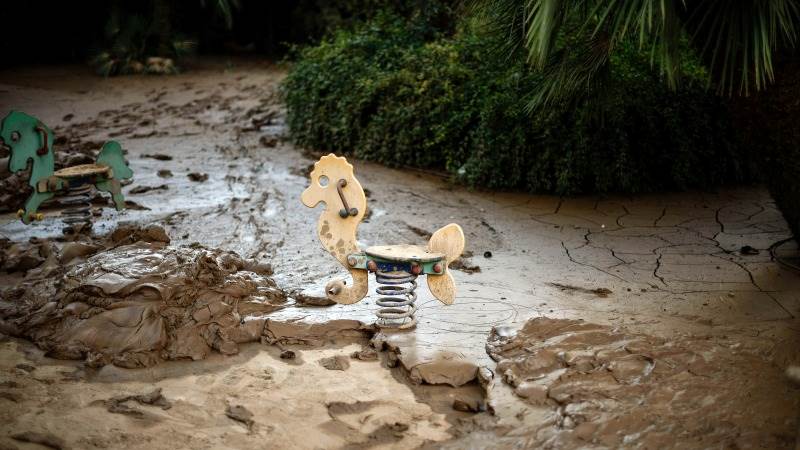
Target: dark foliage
405,92
767,124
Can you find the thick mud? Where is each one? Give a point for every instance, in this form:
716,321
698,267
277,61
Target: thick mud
703,274
132,300
610,388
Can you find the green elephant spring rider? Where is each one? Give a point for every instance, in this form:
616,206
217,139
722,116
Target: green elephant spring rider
29,139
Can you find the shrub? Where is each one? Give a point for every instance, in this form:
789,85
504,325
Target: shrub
402,92
767,123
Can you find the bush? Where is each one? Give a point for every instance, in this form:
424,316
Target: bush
403,92
767,123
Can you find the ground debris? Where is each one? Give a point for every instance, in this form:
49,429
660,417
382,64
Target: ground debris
338,362
240,414
425,234
26,367
143,189
600,292
130,204
748,250
367,354
10,396
467,406
312,297
268,141
119,404
465,265
198,177
157,156
387,431
42,438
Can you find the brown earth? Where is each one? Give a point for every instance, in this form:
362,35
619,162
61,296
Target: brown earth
636,316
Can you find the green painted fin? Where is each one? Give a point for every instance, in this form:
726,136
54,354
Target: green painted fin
111,156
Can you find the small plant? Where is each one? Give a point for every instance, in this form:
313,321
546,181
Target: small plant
129,53
141,38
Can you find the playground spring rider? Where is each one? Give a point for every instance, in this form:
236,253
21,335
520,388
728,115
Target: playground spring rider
29,139
396,267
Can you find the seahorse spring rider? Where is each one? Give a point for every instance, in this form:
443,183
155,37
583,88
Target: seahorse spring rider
396,267
31,140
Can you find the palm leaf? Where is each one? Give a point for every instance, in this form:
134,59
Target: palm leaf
224,8
736,39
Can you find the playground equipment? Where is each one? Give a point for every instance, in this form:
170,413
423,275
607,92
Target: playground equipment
29,139
396,267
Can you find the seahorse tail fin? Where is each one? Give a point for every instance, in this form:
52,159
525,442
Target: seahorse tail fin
448,240
111,156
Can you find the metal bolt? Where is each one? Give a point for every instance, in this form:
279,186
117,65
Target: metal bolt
372,266
437,268
351,260
416,269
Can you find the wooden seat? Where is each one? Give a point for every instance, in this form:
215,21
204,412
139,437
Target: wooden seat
404,253
82,171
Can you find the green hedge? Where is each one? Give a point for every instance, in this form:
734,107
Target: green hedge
404,93
767,123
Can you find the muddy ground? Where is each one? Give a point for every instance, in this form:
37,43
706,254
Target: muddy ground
644,322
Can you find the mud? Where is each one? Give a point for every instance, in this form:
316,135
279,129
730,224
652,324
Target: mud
132,300
665,267
240,414
43,439
338,362
120,404
607,387
68,402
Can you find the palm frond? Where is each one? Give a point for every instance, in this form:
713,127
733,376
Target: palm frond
224,8
573,72
735,38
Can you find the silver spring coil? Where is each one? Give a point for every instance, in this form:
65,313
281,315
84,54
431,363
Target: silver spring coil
397,307
78,214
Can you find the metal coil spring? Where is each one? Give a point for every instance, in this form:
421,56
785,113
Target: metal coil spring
78,215
397,308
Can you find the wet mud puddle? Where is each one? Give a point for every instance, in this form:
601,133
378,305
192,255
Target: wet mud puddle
569,312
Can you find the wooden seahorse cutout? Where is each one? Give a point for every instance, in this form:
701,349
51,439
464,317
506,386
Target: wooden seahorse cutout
333,182
448,240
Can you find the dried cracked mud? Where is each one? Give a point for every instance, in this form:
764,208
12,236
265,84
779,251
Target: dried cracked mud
194,318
